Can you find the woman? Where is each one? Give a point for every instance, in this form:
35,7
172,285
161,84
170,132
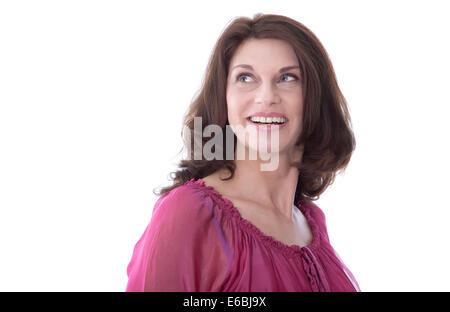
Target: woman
226,224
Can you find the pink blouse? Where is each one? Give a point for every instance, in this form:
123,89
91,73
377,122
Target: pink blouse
198,241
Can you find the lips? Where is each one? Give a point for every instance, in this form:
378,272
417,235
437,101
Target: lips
267,114
266,127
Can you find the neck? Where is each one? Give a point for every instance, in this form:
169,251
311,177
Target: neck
270,189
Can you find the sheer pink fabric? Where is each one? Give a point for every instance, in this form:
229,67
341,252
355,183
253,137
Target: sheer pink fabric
198,241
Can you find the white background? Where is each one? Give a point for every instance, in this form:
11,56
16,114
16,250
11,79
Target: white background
92,95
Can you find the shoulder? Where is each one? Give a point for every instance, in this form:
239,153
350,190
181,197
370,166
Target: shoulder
316,212
183,204
184,194
319,218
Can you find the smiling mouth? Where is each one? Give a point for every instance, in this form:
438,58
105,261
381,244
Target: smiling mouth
269,121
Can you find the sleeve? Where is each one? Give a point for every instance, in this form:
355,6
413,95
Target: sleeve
319,216
180,249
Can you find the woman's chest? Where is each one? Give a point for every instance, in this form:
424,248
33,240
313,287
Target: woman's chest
294,232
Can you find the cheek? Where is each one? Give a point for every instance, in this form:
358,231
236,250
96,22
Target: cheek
299,113
296,112
235,118
235,108
297,107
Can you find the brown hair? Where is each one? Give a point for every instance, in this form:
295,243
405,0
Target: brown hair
327,135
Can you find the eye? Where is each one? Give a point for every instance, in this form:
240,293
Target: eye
249,75
290,75
242,75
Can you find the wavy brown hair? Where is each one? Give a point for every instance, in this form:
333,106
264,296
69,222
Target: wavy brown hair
327,134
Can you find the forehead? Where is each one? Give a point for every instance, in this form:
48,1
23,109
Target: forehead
263,53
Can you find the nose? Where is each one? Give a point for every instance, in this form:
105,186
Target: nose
267,94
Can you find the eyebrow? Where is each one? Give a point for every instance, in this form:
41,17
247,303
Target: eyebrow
282,70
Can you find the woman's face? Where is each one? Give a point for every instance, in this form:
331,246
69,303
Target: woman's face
262,88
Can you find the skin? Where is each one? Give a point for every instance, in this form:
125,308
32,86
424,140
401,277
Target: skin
266,198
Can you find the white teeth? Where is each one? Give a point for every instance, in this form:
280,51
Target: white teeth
268,119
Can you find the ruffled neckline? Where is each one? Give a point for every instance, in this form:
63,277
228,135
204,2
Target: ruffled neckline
247,225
